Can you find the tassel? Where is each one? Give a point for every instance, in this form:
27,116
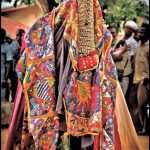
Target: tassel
65,142
74,69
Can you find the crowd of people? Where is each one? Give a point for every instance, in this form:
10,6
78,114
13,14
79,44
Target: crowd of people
131,57
10,54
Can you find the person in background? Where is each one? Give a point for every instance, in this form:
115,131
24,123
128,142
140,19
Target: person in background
118,45
15,47
125,64
6,58
8,39
130,28
119,48
136,35
132,90
114,32
141,74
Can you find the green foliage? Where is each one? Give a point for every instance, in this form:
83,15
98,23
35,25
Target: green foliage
28,2
56,1
142,9
117,11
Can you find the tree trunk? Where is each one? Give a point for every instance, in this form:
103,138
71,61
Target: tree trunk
43,5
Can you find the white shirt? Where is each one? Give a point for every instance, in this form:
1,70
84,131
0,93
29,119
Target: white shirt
6,54
133,43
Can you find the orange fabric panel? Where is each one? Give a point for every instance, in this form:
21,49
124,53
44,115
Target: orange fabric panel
126,130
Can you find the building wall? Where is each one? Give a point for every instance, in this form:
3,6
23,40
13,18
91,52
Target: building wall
26,16
11,26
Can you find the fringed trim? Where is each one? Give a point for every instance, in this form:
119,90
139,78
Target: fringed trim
65,145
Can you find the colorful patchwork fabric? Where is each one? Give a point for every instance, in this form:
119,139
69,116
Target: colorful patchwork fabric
37,72
90,101
89,97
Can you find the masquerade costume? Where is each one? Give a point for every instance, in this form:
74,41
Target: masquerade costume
70,84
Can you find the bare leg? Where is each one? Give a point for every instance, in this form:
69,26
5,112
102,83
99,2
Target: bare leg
142,96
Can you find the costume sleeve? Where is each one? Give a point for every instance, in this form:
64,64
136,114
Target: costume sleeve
21,67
